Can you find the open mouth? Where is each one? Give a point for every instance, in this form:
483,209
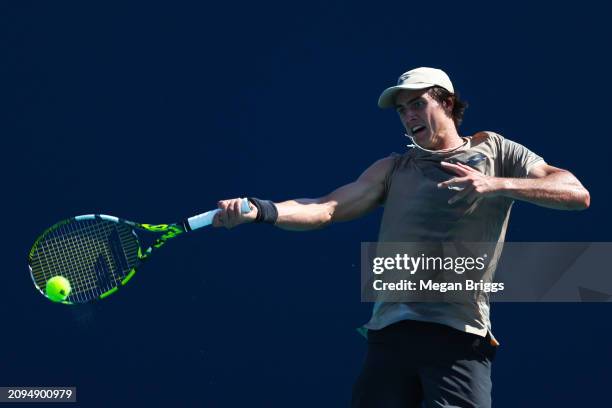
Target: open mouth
417,129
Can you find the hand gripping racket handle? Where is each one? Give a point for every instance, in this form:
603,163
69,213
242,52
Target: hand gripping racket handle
204,219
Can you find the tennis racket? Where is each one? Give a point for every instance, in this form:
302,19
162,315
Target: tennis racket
99,253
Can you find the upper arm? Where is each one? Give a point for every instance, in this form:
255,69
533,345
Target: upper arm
363,195
543,169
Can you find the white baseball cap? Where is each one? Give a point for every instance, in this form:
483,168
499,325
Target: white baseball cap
418,78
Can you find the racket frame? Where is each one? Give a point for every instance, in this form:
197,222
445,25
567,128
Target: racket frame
168,231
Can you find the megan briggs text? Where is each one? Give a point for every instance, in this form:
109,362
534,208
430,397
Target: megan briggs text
429,285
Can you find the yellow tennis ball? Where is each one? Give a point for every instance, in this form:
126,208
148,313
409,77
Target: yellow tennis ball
58,288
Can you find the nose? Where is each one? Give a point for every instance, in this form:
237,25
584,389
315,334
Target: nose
408,116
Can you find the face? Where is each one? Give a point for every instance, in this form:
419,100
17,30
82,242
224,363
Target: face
423,118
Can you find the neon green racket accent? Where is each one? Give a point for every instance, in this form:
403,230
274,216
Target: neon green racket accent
108,293
128,277
154,227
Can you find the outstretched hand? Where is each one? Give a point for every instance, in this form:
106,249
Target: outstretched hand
230,215
471,184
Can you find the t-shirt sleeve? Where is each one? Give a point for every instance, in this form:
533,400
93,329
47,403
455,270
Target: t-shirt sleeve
517,160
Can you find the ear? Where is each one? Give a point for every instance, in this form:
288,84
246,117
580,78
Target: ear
448,104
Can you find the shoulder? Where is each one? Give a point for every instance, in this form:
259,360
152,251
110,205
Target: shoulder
515,159
490,137
487,137
491,142
388,161
383,166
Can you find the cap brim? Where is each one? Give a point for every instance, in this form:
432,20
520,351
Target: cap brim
387,98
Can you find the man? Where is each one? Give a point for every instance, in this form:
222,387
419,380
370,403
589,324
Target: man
446,188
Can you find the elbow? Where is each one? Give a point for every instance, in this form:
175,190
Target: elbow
586,200
325,220
325,214
319,221
326,217
583,200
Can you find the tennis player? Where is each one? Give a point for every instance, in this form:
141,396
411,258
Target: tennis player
446,188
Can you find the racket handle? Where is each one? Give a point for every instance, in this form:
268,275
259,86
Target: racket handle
204,219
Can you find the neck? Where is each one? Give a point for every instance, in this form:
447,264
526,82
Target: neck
447,141
444,139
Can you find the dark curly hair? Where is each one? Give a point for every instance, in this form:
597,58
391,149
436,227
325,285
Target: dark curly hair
441,95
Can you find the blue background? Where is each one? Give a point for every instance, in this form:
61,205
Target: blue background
154,111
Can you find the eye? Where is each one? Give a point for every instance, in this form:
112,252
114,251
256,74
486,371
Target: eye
418,104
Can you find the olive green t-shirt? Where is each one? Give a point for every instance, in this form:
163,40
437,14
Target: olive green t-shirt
416,210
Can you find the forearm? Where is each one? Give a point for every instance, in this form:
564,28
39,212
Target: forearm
345,203
304,214
560,190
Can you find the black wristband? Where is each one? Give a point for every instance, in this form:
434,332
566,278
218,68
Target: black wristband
266,210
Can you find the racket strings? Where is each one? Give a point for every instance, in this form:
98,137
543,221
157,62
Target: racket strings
54,254
94,255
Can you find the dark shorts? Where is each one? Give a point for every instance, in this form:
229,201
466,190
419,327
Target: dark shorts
410,363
